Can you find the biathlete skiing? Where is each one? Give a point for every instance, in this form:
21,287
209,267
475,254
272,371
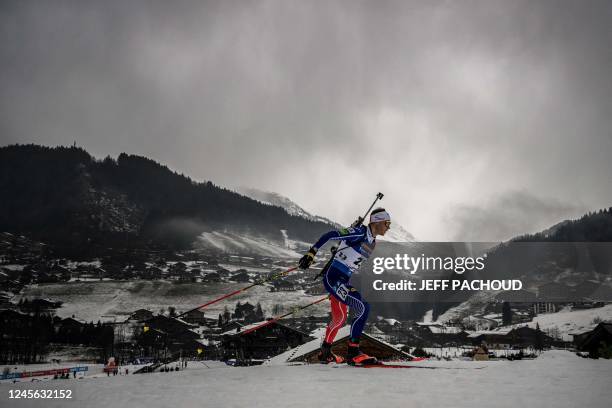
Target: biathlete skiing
356,245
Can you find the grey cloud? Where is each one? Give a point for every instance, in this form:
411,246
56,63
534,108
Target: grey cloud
326,102
509,215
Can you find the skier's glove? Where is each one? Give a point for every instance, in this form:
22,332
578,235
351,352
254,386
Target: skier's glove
307,259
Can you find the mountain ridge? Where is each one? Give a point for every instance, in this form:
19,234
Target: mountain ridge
396,234
68,198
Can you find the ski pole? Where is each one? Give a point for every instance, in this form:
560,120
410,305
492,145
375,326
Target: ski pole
261,282
277,318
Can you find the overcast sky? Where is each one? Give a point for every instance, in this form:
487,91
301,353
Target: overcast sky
479,120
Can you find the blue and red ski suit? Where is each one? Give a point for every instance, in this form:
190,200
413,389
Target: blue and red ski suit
356,245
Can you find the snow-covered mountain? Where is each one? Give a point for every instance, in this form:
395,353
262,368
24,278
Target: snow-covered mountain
397,233
278,200
102,205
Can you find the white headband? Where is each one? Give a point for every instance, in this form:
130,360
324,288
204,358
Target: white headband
380,216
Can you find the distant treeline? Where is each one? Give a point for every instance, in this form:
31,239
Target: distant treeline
25,338
63,195
595,226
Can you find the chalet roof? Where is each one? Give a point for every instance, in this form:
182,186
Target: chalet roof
207,342
429,324
445,329
70,321
391,322
140,314
194,312
592,339
233,332
499,332
606,326
43,301
300,352
169,324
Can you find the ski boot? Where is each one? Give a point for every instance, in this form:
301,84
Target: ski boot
356,357
326,355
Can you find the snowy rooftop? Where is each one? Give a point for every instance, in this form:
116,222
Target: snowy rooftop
429,324
391,322
250,326
313,345
445,329
306,347
499,332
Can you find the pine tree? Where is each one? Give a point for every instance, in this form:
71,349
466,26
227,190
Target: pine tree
539,338
506,314
259,315
226,315
238,311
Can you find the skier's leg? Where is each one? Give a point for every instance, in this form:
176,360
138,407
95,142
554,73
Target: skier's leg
361,310
337,285
339,315
333,281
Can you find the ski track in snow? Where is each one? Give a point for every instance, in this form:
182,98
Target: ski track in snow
556,379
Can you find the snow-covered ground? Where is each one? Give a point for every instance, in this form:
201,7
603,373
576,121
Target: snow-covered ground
93,301
568,321
556,379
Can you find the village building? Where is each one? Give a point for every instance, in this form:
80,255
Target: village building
241,276
597,341
513,338
198,317
141,315
173,337
211,277
39,305
263,343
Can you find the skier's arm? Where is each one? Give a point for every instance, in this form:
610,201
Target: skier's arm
345,233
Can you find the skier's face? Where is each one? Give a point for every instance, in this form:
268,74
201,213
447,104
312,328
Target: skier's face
380,228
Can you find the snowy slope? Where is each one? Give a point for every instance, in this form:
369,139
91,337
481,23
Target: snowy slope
569,322
556,379
564,322
241,244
